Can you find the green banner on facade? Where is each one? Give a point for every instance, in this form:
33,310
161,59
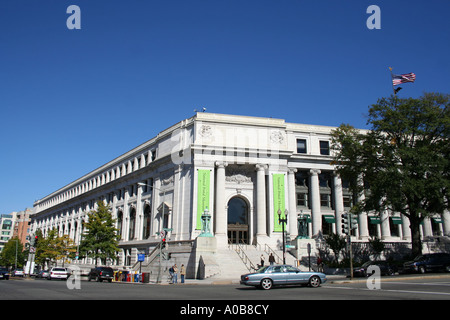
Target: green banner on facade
278,200
202,195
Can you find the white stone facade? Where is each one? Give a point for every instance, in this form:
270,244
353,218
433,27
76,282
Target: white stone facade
243,169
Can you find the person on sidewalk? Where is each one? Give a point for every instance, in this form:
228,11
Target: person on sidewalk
271,259
182,272
262,261
175,273
171,274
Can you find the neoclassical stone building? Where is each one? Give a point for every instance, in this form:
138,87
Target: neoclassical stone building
243,170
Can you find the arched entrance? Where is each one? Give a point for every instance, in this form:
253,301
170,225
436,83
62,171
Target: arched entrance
238,231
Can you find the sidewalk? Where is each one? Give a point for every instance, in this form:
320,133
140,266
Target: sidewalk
335,279
218,281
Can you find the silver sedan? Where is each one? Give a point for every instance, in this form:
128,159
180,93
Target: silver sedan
282,275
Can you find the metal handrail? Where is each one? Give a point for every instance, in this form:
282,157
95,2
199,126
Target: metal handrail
150,258
245,259
269,250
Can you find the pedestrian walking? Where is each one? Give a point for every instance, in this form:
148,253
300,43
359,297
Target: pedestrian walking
171,274
182,272
175,273
271,259
319,264
262,260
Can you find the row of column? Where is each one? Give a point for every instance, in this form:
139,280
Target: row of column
71,223
261,202
315,207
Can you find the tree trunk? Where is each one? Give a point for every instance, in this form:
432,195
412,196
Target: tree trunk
415,236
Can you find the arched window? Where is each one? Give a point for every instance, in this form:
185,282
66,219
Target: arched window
119,223
237,211
132,224
238,220
146,229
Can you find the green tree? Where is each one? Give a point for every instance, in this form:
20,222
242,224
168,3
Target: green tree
101,239
336,243
403,160
40,258
376,246
13,249
53,248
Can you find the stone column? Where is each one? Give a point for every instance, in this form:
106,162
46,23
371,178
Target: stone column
406,230
292,220
221,223
126,215
427,230
446,222
261,214
316,215
139,214
385,228
338,201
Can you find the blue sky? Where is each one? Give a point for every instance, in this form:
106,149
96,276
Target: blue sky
72,100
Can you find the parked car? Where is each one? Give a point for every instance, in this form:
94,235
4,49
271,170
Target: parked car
58,273
43,274
279,275
386,269
428,263
4,274
18,273
101,273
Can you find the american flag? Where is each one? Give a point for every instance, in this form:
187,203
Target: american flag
403,78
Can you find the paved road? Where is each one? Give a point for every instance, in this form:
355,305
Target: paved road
224,301
429,287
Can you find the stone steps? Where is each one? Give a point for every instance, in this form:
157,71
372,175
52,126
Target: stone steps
228,264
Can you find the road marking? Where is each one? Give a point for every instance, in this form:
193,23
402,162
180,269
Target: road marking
420,292
444,284
393,290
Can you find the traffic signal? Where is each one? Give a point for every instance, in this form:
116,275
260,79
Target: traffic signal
36,240
345,224
163,243
353,222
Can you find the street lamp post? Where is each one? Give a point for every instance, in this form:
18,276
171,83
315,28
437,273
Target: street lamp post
283,222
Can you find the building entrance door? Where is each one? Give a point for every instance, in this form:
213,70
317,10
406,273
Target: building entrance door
238,231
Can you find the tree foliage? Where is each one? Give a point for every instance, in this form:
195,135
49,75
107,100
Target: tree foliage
53,248
100,240
336,243
402,163
12,249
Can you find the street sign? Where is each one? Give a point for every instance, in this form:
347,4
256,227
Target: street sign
141,257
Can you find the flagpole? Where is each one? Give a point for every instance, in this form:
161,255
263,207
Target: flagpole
392,82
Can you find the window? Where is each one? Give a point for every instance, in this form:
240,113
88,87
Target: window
327,224
301,146
348,201
324,148
132,224
394,224
147,221
119,223
302,189
302,199
325,200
